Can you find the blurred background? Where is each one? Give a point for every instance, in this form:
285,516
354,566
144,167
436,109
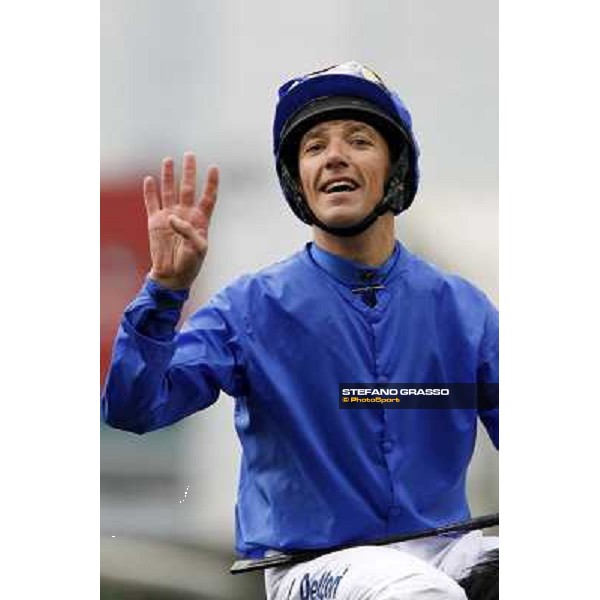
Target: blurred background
202,75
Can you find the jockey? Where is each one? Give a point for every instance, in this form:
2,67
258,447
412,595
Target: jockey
353,305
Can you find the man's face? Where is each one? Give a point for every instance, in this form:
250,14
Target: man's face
343,169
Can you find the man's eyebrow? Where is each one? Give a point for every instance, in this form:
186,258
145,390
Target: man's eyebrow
354,127
316,132
348,129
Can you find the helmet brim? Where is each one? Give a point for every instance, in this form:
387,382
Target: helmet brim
334,108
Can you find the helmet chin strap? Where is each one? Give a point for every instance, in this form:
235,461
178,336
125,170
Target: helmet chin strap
357,228
394,188
393,200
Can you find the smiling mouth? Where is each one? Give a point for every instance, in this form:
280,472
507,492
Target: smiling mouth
337,187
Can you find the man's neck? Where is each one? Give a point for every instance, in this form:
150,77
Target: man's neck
372,247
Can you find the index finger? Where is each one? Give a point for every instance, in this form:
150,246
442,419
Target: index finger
209,192
211,185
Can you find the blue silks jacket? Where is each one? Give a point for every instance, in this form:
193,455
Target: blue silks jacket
280,342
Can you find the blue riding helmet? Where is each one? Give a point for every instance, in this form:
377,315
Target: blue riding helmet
346,91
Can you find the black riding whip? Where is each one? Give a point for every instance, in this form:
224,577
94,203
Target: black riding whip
280,560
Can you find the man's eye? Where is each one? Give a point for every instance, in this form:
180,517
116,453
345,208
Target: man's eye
312,148
360,141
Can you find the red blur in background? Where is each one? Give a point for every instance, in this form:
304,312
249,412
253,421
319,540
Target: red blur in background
124,255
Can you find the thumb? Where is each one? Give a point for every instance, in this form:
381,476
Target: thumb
187,231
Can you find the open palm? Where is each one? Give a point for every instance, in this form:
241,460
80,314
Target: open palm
178,223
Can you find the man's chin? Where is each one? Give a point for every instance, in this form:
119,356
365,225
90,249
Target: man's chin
340,218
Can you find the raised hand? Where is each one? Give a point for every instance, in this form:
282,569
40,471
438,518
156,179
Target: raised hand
178,224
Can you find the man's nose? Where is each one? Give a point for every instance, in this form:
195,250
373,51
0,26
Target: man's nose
336,155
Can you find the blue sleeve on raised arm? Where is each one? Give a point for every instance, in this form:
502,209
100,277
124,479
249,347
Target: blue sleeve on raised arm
158,376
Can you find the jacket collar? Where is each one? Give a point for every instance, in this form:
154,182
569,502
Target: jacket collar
349,272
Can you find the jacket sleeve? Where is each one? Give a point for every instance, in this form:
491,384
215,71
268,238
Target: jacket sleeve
488,377
158,376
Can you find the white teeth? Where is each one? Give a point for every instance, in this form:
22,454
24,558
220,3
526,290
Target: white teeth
342,185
